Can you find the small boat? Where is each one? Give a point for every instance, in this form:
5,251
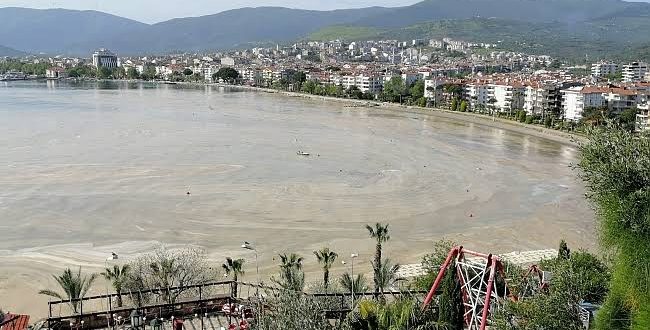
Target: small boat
302,153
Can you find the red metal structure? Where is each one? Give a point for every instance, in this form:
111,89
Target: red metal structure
478,279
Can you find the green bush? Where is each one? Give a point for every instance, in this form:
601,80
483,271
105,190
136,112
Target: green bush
529,119
614,166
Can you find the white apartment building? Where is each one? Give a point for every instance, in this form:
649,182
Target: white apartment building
635,71
643,117
477,94
250,75
372,83
576,99
433,90
602,69
619,100
508,96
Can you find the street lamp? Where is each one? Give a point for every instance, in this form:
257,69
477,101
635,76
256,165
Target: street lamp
249,246
352,257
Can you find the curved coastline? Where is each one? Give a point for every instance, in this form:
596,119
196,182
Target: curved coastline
468,117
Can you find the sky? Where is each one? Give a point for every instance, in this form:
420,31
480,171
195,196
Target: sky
152,11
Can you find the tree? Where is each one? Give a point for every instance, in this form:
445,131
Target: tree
450,302
236,267
359,283
417,90
613,167
354,92
117,276
627,119
104,73
463,106
74,286
164,269
454,104
394,89
309,87
149,72
387,275
326,258
380,234
564,252
132,73
292,277
227,74
188,72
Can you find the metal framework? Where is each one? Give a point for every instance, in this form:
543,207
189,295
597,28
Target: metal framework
481,289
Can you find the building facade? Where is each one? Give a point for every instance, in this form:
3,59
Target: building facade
104,58
635,71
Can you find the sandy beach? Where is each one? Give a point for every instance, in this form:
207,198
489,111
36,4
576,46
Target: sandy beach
89,171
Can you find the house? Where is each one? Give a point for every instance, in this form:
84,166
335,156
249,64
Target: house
56,73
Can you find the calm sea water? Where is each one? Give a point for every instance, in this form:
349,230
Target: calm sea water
112,163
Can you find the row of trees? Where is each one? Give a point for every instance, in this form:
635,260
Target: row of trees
25,67
578,276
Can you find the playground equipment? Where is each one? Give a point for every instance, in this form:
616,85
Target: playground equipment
482,280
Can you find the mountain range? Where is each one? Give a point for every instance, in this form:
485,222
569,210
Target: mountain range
610,23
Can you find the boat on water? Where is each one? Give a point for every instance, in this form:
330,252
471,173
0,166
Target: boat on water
302,153
13,76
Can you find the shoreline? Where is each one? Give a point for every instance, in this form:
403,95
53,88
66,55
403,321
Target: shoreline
565,138
468,117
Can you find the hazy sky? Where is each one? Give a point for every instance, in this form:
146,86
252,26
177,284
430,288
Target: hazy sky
151,11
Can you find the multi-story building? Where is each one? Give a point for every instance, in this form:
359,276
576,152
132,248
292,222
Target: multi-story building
433,91
372,83
619,99
505,96
643,117
576,99
104,58
602,69
542,98
477,94
634,71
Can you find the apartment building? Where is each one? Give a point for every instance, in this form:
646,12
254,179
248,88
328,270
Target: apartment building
476,93
576,99
602,69
542,98
635,71
505,96
366,82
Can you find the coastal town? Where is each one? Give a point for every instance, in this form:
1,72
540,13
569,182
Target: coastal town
180,289
460,75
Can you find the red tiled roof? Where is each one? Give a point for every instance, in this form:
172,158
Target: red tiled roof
15,322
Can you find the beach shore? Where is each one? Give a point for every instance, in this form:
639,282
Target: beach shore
470,117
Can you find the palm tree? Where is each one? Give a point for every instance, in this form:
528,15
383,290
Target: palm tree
379,233
387,275
74,287
117,276
326,258
291,275
359,284
236,267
